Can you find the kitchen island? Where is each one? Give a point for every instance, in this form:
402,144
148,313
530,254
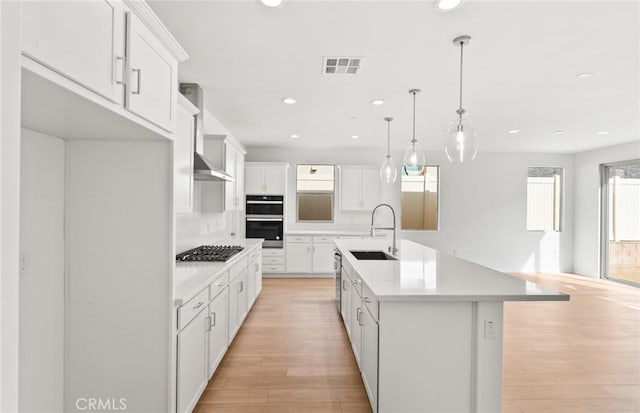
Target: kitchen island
426,327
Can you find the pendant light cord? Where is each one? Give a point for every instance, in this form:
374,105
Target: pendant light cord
460,110
413,141
389,138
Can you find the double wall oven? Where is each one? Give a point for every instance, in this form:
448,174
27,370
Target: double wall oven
265,219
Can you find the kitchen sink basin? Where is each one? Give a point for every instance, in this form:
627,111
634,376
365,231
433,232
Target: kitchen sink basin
372,255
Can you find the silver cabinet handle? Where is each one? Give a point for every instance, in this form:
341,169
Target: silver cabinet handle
354,282
366,299
118,72
207,323
212,320
344,285
200,304
358,314
221,283
240,286
137,92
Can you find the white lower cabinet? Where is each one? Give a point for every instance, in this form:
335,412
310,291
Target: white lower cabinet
369,356
299,257
192,364
218,334
322,261
355,326
238,303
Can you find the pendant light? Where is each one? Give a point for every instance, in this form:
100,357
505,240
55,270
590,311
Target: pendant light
388,170
462,142
414,160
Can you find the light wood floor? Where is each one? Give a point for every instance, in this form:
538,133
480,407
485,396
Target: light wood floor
292,353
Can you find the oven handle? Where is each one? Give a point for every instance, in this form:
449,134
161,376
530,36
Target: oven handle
264,219
265,202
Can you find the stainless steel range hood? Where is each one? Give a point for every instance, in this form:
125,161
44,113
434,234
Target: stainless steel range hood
203,169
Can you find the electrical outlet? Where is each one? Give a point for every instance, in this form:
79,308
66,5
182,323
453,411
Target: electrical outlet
24,262
490,329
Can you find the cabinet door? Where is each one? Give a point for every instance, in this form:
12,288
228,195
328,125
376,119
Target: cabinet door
298,257
251,283
239,188
218,333
274,180
370,188
230,168
323,258
258,274
369,360
243,297
254,180
183,163
355,327
350,190
345,302
192,363
153,76
234,296
83,41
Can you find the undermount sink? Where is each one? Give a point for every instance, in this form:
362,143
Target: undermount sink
372,255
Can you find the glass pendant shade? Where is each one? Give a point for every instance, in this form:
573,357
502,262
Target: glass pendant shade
388,171
462,141
414,160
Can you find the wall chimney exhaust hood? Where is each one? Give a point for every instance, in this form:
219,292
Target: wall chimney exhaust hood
203,169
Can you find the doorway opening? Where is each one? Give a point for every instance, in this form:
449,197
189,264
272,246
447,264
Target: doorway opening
620,222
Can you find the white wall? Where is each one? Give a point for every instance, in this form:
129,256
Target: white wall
587,197
9,201
42,285
482,206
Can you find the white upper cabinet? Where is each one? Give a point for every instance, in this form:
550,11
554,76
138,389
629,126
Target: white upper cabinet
183,157
81,40
359,188
118,50
152,74
234,166
265,179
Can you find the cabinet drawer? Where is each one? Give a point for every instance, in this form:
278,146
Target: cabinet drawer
219,284
299,238
191,308
237,268
273,268
273,252
370,301
272,260
324,239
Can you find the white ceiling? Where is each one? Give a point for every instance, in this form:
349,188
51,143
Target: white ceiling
520,70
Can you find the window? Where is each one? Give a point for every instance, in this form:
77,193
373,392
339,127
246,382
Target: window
419,199
544,199
315,185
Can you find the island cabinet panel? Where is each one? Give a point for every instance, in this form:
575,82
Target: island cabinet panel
82,40
369,361
425,357
356,320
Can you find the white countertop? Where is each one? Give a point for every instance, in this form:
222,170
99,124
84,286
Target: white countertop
189,278
423,273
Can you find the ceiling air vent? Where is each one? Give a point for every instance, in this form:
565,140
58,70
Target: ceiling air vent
341,65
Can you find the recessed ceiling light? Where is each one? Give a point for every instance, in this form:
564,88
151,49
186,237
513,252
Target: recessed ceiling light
603,132
377,102
354,137
513,131
289,101
271,3
558,132
294,136
584,75
447,5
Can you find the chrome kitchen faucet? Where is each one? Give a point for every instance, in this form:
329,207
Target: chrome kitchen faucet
394,249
